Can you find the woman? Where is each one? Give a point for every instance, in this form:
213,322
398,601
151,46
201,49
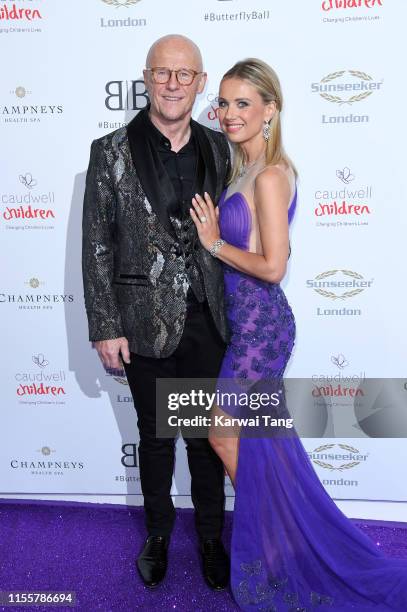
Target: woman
292,548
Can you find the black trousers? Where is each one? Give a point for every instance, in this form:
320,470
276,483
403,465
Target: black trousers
198,355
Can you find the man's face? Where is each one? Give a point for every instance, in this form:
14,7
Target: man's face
171,101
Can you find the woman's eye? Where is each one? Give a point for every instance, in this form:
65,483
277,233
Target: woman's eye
222,104
242,104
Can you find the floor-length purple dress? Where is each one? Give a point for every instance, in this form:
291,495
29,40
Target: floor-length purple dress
292,548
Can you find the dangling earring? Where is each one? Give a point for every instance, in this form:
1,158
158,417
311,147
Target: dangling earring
266,130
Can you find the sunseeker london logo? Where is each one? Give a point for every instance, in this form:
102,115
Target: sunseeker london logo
22,105
345,203
119,376
26,205
121,19
121,3
339,285
346,89
338,457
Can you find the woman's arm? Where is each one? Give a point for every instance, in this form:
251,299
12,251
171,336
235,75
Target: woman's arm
271,198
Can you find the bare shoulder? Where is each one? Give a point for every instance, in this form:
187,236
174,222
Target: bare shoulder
274,183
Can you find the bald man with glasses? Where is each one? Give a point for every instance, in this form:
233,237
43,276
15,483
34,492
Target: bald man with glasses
154,297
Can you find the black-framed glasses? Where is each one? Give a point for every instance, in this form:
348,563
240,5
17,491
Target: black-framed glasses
162,75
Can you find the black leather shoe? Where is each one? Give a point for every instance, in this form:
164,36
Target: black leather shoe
152,562
216,564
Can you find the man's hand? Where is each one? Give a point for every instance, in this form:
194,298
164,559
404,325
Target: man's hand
109,352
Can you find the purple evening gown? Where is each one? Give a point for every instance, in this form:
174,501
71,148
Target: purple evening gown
292,548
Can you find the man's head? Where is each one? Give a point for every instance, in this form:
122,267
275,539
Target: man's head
173,101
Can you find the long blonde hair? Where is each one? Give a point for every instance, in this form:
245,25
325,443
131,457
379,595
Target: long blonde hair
266,82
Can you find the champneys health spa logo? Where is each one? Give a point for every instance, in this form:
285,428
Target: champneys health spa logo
28,206
338,286
36,297
41,384
346,88
337,457
21,16
25,106
122,21
346,205
46,466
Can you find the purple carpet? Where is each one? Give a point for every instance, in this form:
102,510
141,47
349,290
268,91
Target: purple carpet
91,549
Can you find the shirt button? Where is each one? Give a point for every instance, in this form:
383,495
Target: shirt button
181,178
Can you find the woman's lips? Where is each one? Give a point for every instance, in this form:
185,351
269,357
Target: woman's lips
234,127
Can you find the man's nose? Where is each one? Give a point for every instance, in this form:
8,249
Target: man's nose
172,82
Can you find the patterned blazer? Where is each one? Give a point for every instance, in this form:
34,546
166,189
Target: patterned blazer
133,259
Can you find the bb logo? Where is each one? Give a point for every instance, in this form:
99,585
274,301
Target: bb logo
126,95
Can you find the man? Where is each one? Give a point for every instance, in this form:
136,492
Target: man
154,297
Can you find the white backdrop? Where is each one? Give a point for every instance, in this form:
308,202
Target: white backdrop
71,72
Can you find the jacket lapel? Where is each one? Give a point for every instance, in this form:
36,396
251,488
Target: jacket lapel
207,174
154,180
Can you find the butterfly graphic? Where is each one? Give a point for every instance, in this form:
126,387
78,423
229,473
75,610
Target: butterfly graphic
345,175
340,361
27,180
40,360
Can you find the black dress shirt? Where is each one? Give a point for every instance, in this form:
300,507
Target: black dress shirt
181,167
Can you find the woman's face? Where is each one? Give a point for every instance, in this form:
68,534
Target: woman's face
242,112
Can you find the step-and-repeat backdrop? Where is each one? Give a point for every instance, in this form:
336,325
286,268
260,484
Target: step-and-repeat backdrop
71,72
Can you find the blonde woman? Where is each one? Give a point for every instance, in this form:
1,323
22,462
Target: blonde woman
292,548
